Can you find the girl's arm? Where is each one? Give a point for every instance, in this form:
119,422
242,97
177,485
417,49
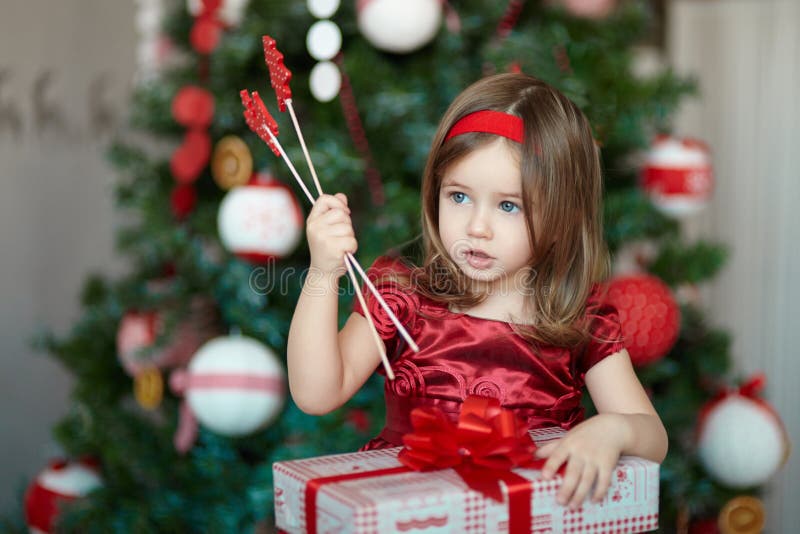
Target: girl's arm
327,367
626,423
615,389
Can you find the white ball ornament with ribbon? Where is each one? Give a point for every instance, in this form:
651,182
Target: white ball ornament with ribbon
234,386
399,26
260,220
62,482
677,175
742,441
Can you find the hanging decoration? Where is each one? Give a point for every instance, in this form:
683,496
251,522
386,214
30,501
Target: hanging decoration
232,162
399,27
144,352
324,42
677,176
229,13
261,220
742,515
649,315
233,386
741,440
60,483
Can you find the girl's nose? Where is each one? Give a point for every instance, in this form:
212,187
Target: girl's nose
479,225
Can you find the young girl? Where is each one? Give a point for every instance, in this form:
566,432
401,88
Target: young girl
507,301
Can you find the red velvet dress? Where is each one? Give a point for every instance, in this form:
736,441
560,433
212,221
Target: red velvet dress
462,355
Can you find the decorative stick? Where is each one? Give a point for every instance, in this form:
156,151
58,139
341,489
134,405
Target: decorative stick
258,119
280,76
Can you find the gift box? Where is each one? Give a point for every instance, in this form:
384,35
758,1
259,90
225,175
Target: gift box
373,492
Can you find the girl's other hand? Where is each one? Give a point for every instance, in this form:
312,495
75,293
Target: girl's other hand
330,234
591,451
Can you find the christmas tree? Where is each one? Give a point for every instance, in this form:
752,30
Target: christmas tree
369,106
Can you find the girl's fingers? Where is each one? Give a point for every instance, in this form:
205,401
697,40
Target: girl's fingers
341,230
557,457
334,215
585,484
325,203
546,450
603,481
571,479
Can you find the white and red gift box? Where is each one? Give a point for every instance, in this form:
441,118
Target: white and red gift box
440,501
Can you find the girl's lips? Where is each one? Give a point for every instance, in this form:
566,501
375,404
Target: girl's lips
478,261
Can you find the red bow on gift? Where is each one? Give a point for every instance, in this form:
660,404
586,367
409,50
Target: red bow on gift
486,443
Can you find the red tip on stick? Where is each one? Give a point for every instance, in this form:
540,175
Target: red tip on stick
279,75
259,120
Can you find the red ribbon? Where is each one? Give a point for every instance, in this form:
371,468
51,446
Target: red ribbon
486,443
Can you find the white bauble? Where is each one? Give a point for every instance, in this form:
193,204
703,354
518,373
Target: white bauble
325,81
260,221
323,9
741,442
324,40
399,26
234,385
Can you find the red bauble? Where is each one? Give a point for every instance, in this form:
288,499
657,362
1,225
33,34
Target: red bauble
60,483
677,175
193,107
183,200
189,159
205,34
649,315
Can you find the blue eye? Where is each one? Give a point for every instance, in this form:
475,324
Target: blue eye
510,205
458,197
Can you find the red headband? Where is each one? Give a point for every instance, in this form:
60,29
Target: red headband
493,122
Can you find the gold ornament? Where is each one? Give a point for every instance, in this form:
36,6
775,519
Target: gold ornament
148,388
741,515
232,163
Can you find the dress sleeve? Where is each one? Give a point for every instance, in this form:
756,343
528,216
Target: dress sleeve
400,299
605,331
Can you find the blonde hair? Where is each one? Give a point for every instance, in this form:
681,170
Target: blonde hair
561,179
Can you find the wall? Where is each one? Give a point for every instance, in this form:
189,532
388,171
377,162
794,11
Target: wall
65,71
746,55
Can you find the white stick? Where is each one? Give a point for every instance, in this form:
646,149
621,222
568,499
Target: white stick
303,145
349,256
400,328
372,329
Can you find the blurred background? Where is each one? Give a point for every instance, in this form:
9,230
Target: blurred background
67,76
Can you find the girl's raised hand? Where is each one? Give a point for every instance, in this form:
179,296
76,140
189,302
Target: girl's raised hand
330,234
591,451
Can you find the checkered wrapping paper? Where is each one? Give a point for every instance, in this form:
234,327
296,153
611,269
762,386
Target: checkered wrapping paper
440,502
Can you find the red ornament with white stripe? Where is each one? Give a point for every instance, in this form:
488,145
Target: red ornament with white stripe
261,220
741,440
649,315
233,386
62,482
399,27
677,175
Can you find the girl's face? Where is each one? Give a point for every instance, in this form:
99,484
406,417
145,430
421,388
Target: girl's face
481,222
